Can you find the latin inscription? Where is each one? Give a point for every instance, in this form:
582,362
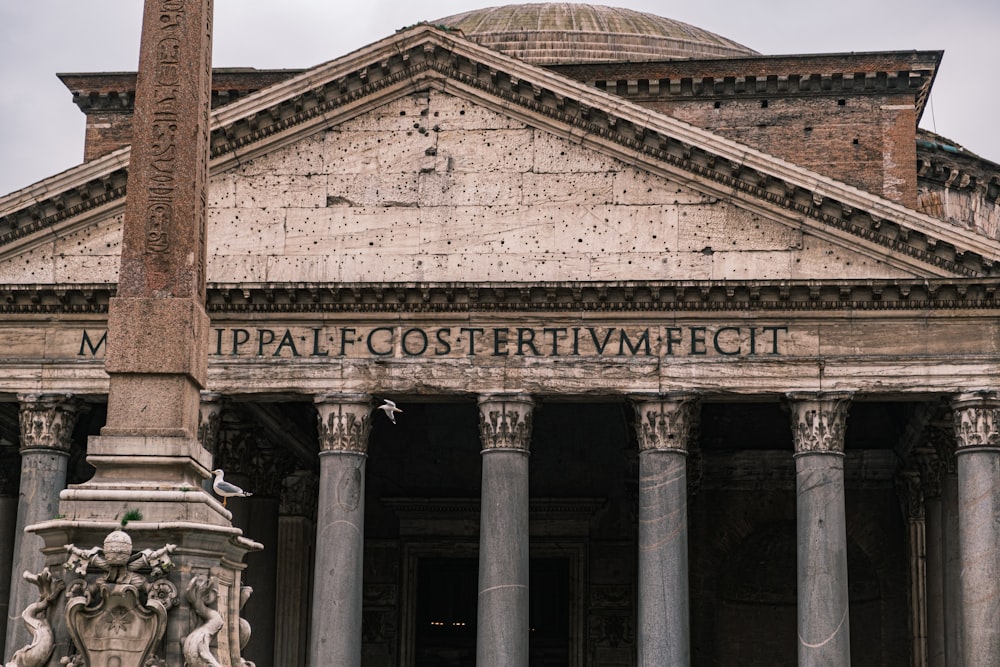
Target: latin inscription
163,162
736,340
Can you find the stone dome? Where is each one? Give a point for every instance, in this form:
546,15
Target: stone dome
558,33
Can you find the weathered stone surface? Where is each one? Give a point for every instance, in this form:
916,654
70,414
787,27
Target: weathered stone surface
344,426
598,216
502,617
818,428
976,420
47,423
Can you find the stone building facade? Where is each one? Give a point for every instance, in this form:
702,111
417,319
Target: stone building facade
696,349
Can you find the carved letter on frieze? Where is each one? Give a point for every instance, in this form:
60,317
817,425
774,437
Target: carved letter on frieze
121,617
202,594
344,423
666,423
976,420
36,619
819,422
505,421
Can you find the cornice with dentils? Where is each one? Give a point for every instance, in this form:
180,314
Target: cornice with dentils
426,56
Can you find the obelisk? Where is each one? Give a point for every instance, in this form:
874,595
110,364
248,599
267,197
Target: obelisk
149,463
157,354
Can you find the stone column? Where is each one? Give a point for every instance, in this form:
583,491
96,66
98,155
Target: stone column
912,501
976,420
344,427
10,464
502,625
951,559
818,425
296,549
665,426
930,480
46,435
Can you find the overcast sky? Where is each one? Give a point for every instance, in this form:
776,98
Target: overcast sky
41,130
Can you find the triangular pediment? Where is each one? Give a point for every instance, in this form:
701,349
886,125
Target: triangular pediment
427,157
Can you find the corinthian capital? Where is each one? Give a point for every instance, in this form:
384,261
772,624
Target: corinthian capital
47,421
819,421
976,420
666,422
344,422
505,421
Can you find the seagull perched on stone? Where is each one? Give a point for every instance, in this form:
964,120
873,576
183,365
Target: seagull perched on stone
390,409
225,489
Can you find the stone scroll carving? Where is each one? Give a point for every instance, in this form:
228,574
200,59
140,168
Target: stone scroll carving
245,593
121,617
36,619
203,595
819,422
505,421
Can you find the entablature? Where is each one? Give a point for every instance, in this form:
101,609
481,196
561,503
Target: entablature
917,294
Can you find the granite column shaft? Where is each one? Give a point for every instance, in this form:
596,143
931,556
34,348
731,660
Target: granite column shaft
818,426
665,426
952,570
976,420
930,478
344,427
46,435
502,627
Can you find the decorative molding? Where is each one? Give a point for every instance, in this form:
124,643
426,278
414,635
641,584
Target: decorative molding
976,420
227,299
819,421
505,421
666,423
344,422
47,421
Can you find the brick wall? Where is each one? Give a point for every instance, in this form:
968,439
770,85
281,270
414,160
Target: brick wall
868,142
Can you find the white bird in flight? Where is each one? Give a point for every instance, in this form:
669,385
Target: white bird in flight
390,410
225,489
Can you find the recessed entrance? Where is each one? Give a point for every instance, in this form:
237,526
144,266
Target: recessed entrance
445,627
